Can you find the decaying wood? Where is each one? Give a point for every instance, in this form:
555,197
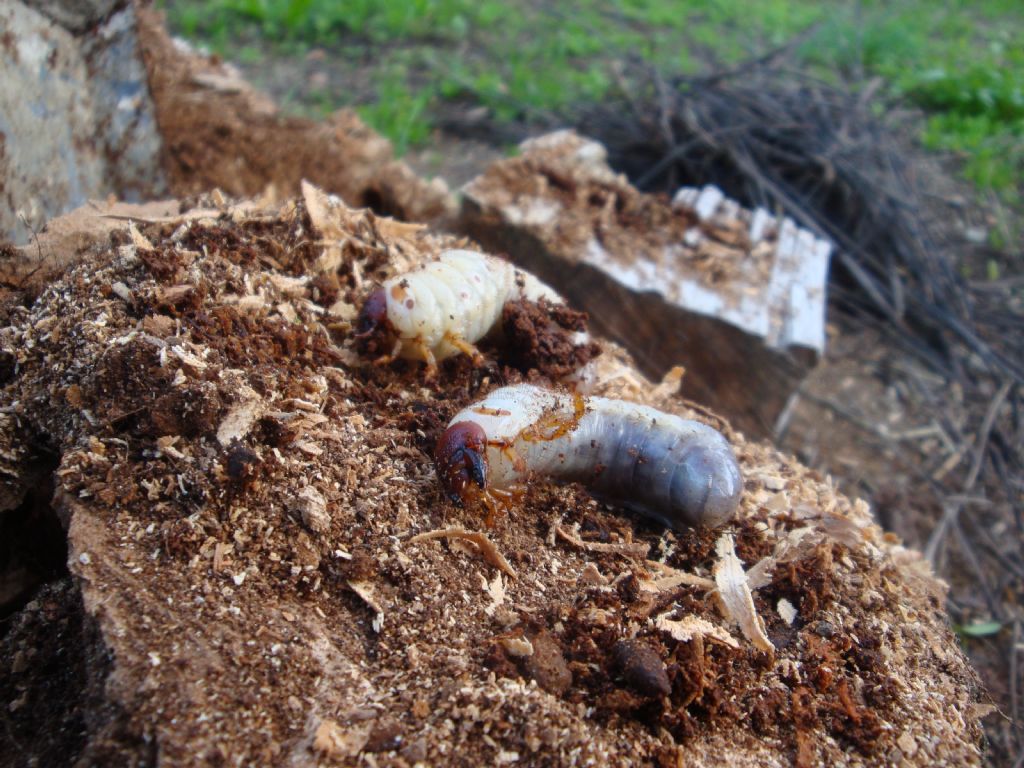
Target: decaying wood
243,587
735,296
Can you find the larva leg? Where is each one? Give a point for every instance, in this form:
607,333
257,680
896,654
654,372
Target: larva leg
430,374
492,509
464,347
391,356
497,501
424,353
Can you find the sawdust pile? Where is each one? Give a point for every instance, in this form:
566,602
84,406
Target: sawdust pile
218,132
243,497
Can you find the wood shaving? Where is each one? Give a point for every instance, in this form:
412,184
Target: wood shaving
519,647
138,239
624,548
312,508
677,579
325,214
787,611
844,530
801,543
796,545
669,385
760,574
592,576
292,287
485,545
308,447
343,310
399,230
189,359
734,597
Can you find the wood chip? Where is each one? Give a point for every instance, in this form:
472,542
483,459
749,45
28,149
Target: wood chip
399,230
669,385
343,310
590,575
312,508
686,629
323,213
333,740
495,589
189,359
308,447
798,544
787,611
734,597
368,593
485,545
240,417
842,529
519,647
292,287
907,744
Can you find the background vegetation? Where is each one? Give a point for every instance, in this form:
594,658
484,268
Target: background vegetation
960,62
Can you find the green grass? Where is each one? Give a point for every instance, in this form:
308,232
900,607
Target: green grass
399,112
961,62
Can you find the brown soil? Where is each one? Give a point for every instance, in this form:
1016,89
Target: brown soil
538,339
219,133
241,491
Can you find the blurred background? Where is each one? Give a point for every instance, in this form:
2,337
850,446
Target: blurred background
418,70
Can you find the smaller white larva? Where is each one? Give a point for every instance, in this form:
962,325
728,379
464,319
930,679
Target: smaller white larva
678,471
445,306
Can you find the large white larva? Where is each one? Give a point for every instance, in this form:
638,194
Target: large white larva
444,307
678,471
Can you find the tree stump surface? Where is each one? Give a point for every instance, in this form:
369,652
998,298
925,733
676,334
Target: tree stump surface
243,494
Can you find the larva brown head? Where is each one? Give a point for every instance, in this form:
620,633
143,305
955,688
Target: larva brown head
461,460
374,333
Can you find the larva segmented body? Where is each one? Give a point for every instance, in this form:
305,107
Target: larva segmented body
443,308
678,471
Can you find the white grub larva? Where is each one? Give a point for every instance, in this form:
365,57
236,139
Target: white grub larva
444,307
678,471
